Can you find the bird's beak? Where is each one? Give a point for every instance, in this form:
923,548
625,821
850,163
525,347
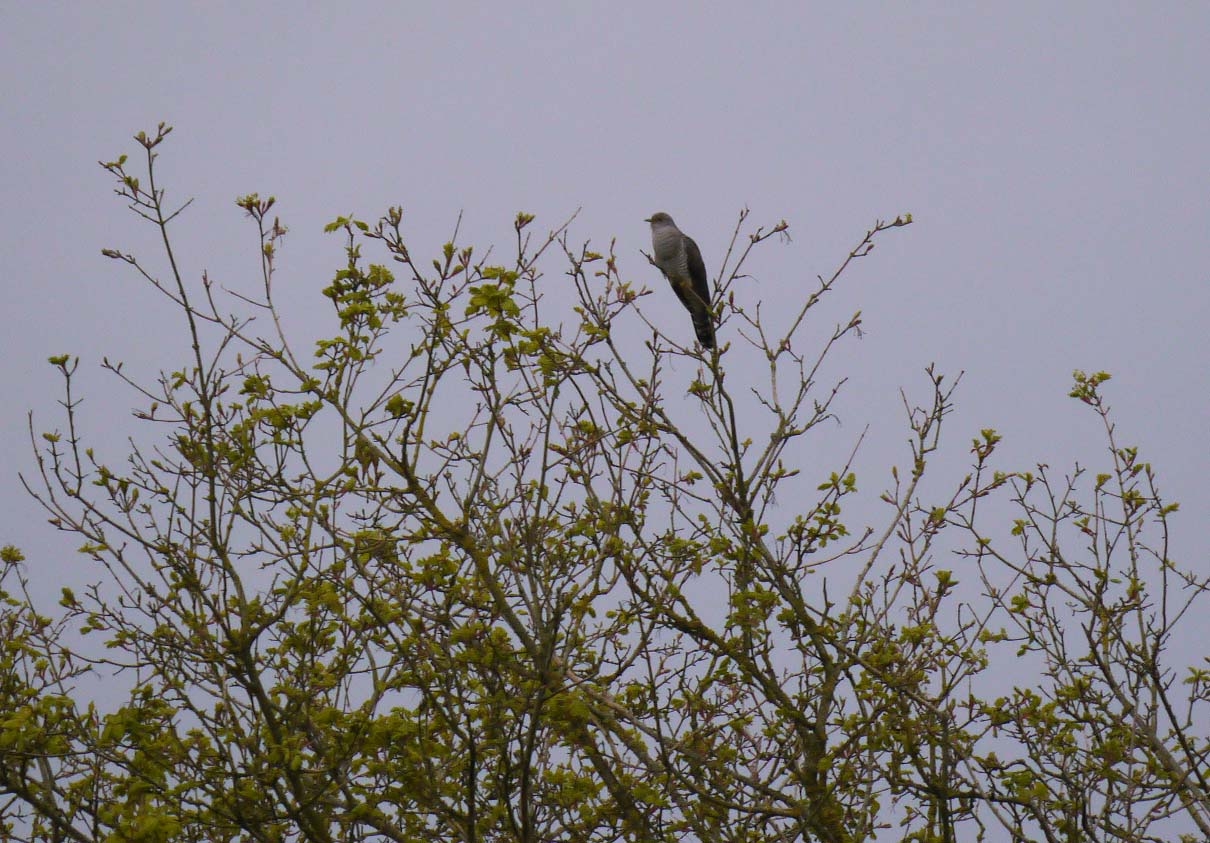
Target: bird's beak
647,219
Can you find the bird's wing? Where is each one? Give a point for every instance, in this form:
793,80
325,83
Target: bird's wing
697,271
703,321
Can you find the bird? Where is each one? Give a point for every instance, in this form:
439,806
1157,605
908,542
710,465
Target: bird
679,258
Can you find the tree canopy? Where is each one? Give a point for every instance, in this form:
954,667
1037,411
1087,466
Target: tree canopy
470,568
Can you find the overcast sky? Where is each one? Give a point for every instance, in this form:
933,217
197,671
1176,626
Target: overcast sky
1054,157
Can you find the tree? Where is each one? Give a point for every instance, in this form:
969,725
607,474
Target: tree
463,574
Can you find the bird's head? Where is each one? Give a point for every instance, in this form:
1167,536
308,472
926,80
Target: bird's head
659,218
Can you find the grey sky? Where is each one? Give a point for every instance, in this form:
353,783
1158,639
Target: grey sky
1054,158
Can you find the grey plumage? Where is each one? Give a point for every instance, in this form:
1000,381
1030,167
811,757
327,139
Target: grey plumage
679,258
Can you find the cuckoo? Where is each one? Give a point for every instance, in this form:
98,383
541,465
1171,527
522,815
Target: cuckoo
679,258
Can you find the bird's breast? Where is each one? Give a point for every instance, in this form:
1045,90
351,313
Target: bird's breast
668,249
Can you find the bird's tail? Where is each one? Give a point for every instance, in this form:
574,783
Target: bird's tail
703,325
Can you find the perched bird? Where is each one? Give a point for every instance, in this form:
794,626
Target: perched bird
679,258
